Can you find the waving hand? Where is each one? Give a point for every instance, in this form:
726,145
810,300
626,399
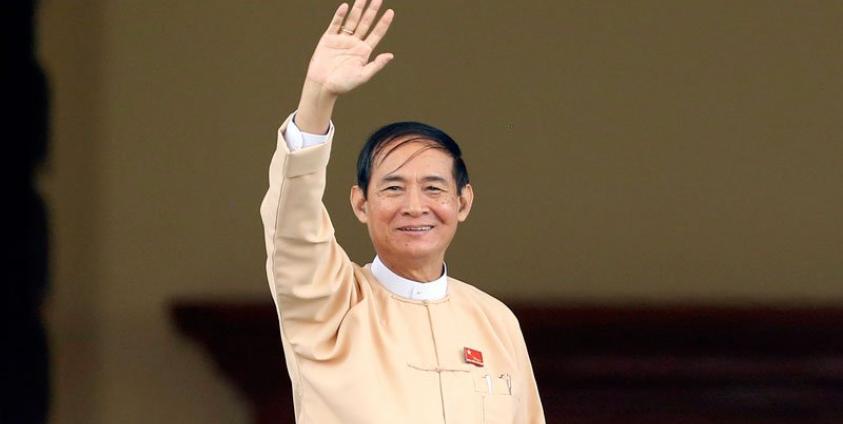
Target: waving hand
342,59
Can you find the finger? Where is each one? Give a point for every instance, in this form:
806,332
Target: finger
336,22
354,15
376,65
380,28
368,17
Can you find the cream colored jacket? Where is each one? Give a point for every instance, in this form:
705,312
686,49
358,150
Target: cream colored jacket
357,353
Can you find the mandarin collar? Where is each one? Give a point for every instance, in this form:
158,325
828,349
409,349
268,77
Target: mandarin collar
409,289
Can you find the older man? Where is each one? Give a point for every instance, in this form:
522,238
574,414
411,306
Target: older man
397,340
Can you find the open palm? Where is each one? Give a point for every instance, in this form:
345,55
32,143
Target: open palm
341,60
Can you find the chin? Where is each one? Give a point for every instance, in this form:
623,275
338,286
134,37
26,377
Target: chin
417,252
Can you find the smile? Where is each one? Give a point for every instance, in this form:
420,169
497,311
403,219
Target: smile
416,228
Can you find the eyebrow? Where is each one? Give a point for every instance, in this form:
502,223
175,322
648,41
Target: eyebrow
400,179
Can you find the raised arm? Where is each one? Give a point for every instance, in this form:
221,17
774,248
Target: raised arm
342,62
310,276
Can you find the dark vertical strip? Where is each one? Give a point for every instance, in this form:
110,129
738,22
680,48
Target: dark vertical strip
24,383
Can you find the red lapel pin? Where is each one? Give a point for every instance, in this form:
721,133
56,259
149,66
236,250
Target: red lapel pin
473,356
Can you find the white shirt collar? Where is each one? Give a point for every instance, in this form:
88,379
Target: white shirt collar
409,289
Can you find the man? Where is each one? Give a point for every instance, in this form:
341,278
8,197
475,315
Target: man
396,340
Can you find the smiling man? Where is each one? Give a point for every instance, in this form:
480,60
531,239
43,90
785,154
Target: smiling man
397,340
412,190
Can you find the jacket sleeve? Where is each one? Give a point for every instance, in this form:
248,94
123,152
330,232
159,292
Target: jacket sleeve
310,276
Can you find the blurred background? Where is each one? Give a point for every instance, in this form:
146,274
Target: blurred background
633,156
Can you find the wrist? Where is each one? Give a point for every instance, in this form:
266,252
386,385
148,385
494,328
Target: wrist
317,92
315,108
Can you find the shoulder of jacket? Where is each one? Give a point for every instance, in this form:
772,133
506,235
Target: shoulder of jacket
486,300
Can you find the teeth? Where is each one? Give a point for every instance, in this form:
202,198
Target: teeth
421,228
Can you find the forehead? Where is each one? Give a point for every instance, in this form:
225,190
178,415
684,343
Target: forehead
412,154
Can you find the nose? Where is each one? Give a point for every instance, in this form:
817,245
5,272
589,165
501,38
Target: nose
415,204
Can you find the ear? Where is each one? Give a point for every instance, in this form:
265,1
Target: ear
359,204
466,198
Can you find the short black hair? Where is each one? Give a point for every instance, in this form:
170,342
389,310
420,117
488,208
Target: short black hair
387,133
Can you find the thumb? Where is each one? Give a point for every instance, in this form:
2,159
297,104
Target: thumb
376,65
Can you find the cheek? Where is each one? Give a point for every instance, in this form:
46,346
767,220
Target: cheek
447,210
382,215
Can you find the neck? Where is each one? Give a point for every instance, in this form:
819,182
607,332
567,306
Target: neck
421,271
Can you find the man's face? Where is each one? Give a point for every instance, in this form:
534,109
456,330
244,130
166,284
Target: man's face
413,208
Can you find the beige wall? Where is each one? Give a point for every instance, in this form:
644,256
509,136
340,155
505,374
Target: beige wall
621,151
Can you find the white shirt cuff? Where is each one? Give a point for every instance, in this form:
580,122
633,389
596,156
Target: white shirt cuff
297,139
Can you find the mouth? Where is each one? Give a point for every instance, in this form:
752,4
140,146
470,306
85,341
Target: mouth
415,228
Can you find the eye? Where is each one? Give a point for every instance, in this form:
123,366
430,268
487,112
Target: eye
392,188
434,188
